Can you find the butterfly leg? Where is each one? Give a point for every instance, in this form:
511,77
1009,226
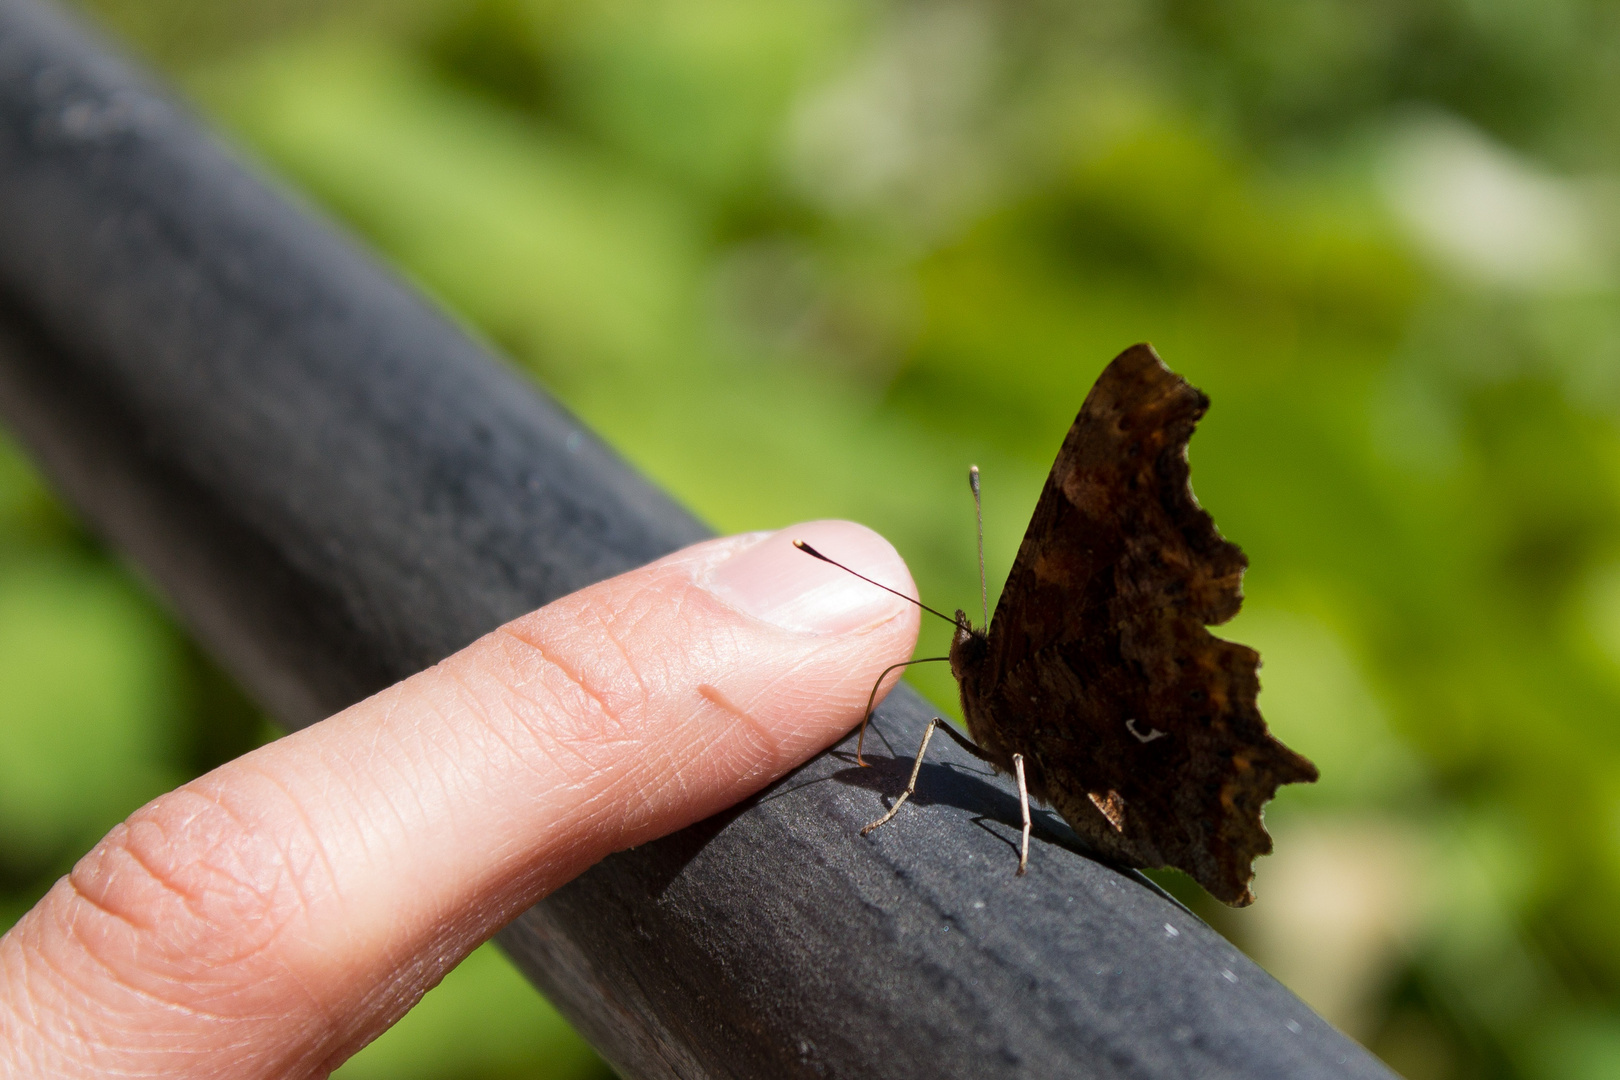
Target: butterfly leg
1023,788
912,784
1023,804
965,743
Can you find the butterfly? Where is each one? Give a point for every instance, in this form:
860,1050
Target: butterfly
1097,683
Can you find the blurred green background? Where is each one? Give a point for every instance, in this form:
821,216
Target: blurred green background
802,258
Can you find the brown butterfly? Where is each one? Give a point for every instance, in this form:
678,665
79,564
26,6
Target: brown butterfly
1096,683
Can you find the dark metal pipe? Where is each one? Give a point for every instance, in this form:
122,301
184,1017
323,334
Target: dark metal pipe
335,488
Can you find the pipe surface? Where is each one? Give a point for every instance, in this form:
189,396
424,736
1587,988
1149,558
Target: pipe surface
335,488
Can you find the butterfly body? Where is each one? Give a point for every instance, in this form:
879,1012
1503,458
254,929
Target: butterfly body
1133,721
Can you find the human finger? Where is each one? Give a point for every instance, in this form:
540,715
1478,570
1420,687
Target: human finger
273,916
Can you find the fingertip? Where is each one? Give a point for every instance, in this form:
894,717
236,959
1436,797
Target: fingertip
776,581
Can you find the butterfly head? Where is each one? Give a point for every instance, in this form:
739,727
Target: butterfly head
967,648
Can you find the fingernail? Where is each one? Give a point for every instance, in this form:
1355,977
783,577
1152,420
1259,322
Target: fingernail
777,583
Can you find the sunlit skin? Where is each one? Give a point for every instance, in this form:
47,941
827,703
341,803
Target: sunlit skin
272,917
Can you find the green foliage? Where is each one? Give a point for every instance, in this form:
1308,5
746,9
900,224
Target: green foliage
799,258
76,752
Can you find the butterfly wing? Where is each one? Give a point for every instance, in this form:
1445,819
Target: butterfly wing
1136,723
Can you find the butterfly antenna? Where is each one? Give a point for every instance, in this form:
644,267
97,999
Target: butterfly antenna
978,510
808,550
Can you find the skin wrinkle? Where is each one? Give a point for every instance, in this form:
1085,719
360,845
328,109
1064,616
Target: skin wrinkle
608,620
595,736
66,979
606,809
309,831
79,1038
81,895
789,677
76,1036
164,1005
534,666
431,920
389,998
295,800
495,722
70,915
565,756
799,736
121,979
726,649
370,829
538,648
749,756
768,743
124,849
608,791
605,618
